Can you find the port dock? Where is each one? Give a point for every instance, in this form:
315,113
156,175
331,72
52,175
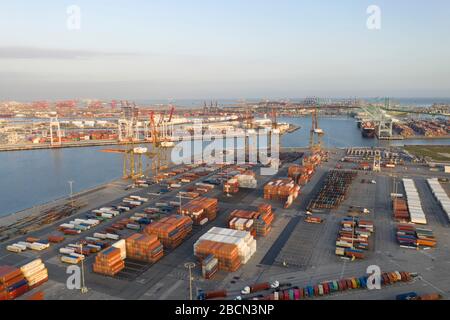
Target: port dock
294,251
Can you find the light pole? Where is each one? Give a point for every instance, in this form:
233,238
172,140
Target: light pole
84,289
190,265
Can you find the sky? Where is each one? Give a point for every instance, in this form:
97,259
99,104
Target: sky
195,49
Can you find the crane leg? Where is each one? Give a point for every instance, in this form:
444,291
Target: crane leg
140,165
132,165
125,165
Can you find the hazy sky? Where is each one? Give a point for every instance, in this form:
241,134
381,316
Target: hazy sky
223,49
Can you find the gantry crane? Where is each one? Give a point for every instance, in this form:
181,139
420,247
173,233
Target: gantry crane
249,117
273,115
132,157
315,134
172,109
132,160
160,161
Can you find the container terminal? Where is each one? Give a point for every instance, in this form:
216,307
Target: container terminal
69,124
228,231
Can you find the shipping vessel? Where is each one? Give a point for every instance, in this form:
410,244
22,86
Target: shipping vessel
368,129
360,120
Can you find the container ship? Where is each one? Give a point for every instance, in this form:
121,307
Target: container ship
368,129
358,122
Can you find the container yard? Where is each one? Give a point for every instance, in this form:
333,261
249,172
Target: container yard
413,129
409,236
353,238
301,226
334,190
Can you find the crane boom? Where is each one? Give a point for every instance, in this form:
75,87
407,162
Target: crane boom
154,131
172,109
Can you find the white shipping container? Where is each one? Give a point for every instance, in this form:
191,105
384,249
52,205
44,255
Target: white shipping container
141,215
37,247
38,278
133,226
45,245
67,226
112,236
26,244
77,255
121,244
92,239
70,260
31,272
142,199
66,250
14,248
20,246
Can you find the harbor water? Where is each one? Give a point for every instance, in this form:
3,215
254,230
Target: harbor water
30,178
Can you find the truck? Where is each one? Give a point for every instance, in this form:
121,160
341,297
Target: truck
406,296
431,296
212,295
260,287
415,296
138,198
311,219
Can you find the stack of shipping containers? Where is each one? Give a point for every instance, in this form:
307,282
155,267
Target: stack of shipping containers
353,237
210,266
226,253
200,210
441,195
171,231
35,272
301,174
144,247
258,223
231,247
247,180
12,283
282,189
414,205
409,236
109,262
334,190
400,208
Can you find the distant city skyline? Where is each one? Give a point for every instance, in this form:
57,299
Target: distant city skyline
156,50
